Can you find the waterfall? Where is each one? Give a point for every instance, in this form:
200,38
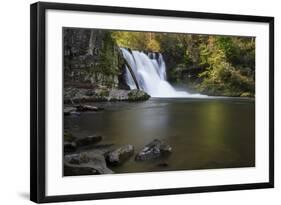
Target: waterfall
150,72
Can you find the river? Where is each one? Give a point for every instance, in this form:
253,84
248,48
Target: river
205,133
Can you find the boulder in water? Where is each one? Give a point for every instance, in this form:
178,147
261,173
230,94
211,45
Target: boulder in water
153,150
137,95
92,162
68,110
118,156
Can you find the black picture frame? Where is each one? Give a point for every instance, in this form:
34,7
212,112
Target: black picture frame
38,101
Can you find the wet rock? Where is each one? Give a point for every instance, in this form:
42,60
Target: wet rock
118,156
78,158
153,150
100,94
247,94
118,95
93,160
74,95
137,95
68,110
83,108
89,140
69,147
74,113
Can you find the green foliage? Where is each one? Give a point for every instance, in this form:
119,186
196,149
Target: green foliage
224,74
217,65
136,40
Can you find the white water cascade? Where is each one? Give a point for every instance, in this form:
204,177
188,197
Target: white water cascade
150,72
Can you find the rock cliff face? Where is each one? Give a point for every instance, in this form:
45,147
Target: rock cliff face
91,59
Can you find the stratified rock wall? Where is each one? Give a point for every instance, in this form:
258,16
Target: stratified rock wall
91,58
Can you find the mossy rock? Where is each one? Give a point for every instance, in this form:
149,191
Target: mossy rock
102,93
138,95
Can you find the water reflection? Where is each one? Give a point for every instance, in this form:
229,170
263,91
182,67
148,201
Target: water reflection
204,133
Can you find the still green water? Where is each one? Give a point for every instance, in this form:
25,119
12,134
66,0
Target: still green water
204,133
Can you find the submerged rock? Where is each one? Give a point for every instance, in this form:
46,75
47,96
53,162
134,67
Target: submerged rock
89,140
154,150
118,156
74,113
92,162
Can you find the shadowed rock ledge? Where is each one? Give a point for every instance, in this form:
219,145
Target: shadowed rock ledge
81,95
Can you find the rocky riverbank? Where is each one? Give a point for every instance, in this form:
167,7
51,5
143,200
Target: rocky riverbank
82,95
90,156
